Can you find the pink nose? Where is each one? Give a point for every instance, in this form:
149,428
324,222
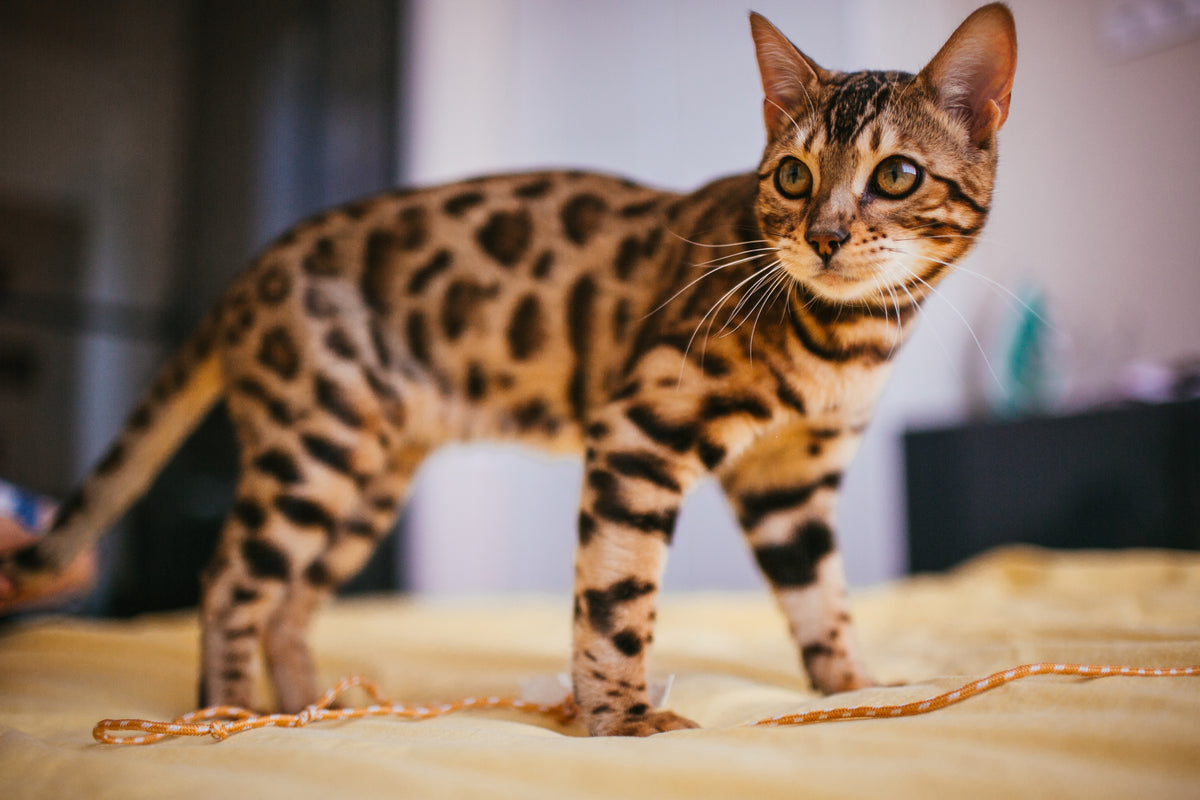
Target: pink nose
826,242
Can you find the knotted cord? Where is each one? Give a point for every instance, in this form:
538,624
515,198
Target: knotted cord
221,722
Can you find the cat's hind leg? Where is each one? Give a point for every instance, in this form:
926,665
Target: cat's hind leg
354,539
323,469
281,554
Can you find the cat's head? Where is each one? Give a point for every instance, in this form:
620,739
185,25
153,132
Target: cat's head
872,183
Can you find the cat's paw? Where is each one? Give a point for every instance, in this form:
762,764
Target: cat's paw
844,680
646,724
856,680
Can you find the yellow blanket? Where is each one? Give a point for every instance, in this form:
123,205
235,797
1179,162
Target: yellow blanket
732,661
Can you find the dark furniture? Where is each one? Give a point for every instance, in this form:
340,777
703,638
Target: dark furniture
1127,476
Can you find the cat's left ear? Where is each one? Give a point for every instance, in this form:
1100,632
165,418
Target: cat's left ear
972,75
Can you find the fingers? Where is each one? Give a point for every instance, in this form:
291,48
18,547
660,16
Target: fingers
43,593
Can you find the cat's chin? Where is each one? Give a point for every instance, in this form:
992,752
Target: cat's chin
836,287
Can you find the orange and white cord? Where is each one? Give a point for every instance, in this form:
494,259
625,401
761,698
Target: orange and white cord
221,722
969,690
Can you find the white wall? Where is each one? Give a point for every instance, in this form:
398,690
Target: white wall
1094,203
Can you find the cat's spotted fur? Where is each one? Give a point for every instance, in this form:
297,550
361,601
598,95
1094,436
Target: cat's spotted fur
581,312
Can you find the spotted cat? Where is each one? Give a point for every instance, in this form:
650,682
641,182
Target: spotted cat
742,331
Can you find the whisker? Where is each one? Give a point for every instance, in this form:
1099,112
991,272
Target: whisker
935,236
880,289
899,319
995,284
788,297
988,280
686,240
978,345
780,282
761,276
752,251
766,275
713,311
811,109
764,283
911,299
887,297
711,271
937,334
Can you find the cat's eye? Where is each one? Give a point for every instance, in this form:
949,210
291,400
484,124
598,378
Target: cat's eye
793,178
896,177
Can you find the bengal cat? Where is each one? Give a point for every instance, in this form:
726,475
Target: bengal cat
742,331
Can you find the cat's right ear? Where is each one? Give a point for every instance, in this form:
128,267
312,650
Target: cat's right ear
790,79
972,75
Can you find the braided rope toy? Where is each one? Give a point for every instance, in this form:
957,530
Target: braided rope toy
221,722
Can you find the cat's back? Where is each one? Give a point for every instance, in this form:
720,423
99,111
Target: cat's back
517,224
517,292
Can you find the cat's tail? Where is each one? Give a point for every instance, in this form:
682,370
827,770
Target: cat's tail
185,388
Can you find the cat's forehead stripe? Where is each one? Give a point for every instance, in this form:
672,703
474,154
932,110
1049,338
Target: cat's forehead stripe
855,101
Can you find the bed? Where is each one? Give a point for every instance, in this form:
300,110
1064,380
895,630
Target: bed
732,663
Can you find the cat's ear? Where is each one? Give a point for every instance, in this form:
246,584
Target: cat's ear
790,79
972,75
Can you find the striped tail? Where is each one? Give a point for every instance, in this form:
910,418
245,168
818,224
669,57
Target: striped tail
186,387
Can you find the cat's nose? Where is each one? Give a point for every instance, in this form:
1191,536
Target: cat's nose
825,242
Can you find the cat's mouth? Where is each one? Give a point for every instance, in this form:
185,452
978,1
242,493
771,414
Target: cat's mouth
836,278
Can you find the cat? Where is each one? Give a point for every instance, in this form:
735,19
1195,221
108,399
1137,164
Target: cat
742,331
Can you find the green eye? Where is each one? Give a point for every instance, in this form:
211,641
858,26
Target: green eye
793,178
896,177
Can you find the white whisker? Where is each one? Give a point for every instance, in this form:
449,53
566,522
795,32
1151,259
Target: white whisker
753,251
711,271
934,236
760,277
992,282
766,285
781,281
995,284
713,311
978,344
880,289
937,334
746,297
887,297
899,319
686,240
784,111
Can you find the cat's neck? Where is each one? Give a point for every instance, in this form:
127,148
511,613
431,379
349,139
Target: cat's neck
869,332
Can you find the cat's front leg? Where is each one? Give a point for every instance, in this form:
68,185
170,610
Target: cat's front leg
633,486
784,493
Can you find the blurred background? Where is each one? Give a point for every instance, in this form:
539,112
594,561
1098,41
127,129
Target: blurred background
149,148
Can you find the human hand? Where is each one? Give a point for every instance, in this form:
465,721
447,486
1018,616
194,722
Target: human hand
70,582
